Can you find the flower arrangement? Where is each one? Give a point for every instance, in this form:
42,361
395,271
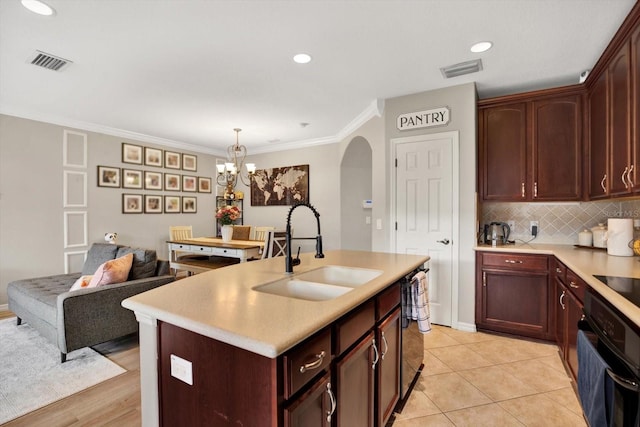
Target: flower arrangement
227,214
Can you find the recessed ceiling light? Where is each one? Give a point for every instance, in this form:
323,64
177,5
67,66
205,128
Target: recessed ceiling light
481,47
38,7
302,58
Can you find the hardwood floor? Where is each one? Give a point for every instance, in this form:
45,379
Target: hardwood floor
115,402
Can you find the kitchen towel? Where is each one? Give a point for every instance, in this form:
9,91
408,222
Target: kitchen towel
595,387
420,302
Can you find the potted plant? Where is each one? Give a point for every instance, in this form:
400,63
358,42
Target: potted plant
227,215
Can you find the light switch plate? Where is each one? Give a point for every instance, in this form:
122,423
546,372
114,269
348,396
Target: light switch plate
181,369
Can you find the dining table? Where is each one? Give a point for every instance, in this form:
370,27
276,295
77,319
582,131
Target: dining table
211,249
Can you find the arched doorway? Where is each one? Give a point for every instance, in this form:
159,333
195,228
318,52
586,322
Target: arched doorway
355,187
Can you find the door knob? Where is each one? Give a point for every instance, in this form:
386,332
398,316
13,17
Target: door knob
444,241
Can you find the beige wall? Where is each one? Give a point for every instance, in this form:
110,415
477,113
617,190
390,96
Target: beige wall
31,205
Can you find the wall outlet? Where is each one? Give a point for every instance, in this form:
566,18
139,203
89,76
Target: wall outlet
537,228
512,225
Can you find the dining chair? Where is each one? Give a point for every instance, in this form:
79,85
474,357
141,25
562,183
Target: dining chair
241,232
183,232
275,244
260,233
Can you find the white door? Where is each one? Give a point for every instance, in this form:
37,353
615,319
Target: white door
425,215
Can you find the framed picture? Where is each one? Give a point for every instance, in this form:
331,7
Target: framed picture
204,185
189,204
292,183
189,162
152,157
131,178
152,204
171,182
108,177
131,153
171,160
171,204
189,183
132,203
152,180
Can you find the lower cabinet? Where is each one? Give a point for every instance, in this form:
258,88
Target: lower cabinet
512,294
388,369
315,408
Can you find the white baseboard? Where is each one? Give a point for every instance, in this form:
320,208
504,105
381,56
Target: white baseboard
466,327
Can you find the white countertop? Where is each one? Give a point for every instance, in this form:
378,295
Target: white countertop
222,305
585,263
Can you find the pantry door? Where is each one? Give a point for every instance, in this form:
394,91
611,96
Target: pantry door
426,210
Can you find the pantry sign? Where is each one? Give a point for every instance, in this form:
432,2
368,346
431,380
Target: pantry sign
424,119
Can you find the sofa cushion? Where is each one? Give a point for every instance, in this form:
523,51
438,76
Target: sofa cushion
144,262
113,271
81,283
98,254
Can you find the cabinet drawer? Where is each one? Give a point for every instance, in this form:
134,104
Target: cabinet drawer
202,249
559,270
180,246
576,285
513,261
224,252
387,300
350,328
303,362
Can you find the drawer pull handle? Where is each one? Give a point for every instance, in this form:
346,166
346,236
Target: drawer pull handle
558,271
573,285
333,403
513,261
315,364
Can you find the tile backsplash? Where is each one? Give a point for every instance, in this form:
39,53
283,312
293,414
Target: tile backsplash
558,222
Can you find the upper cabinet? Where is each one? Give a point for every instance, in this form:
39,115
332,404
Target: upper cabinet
531,147
621,167
598,125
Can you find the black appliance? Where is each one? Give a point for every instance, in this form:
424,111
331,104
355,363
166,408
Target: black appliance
617,341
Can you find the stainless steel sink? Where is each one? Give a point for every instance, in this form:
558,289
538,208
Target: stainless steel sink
321,284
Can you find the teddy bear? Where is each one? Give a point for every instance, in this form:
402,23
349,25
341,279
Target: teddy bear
110,237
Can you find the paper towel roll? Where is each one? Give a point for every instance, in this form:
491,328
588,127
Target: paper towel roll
619,234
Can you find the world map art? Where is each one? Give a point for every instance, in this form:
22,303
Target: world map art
280,186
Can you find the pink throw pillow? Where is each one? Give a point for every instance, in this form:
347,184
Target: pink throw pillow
113,271
81,283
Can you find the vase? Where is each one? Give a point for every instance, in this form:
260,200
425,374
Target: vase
226,231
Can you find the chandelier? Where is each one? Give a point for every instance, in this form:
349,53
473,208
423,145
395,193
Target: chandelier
228,172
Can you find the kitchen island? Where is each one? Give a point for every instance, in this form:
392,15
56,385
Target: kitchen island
248,334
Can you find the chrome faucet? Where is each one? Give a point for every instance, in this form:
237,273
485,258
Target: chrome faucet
290,262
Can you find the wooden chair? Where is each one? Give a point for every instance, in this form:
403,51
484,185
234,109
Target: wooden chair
180,232
275,244
260,233
241,232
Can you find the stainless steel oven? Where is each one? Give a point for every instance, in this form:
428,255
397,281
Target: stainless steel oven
608,365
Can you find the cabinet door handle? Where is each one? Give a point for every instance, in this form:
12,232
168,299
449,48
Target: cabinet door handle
629,176
624,172
513,261
535,189
332,398
522,190
573,285
386,346
558,270
315,364
484,279
376,354
561,298
604,178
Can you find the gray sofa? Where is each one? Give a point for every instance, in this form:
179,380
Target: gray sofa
86,317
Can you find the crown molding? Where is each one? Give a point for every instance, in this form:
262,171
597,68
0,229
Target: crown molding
375,109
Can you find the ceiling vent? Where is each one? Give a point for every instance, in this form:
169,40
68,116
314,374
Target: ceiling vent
462,68
48,61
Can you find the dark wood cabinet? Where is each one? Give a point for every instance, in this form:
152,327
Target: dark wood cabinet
635,107
503,145
512,294
598,154
568,293
388,370
531,150
314,408
355,382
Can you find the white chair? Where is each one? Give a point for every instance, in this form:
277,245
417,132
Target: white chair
275,244
183,232
260,233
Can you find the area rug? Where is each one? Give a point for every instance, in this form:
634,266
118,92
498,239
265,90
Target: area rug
31,375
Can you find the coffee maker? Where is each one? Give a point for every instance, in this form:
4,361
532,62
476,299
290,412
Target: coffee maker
498,232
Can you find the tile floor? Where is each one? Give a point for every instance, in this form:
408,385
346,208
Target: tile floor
479,379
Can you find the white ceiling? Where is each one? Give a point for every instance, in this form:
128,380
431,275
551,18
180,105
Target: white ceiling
186,72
